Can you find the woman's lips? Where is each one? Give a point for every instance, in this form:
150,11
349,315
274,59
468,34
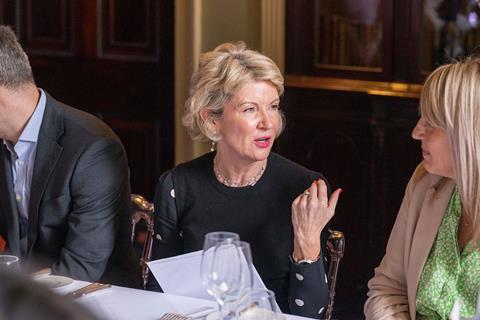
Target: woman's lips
263,142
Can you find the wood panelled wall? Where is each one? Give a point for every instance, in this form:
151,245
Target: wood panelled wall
113,58
362,144
353,122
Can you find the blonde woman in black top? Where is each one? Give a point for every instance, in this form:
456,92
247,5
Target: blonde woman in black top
281,208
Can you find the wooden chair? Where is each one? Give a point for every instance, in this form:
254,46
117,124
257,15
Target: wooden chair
336,249
142,210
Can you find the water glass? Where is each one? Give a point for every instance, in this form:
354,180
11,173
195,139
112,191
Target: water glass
8,262
259,304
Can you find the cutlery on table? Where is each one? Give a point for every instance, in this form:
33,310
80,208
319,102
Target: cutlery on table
174,316
88,289
200,313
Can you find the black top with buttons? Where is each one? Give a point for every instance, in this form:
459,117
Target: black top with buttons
190,202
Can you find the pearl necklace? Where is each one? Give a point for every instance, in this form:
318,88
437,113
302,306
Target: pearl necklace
229,183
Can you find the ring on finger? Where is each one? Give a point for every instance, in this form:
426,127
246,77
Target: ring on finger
306,193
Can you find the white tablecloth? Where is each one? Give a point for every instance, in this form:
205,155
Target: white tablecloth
119,303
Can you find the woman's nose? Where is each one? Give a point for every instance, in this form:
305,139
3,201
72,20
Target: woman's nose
418,131
266,120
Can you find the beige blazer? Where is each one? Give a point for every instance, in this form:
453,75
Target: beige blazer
393,288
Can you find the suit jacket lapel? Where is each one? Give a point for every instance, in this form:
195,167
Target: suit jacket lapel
48,153
8,205
433,209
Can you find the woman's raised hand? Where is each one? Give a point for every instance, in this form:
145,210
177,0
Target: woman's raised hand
311,212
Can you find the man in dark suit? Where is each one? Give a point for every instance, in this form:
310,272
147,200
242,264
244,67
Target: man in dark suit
64,182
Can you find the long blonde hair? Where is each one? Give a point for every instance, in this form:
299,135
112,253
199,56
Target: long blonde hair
450,100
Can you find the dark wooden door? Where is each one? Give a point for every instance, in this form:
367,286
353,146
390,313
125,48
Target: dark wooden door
113,58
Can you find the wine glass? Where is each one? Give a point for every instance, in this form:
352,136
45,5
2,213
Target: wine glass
8,262
245,260
214,238
259,304
221,267
246,278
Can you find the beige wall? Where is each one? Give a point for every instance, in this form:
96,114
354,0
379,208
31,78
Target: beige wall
231,20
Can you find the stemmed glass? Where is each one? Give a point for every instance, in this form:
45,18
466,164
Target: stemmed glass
8,262
221,267
214,238
245,284
259,304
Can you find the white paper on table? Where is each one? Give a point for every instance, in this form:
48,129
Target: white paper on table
181,275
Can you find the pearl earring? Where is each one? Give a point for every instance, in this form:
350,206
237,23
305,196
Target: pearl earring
215,138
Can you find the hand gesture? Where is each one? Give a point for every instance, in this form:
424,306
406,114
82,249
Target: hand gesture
311,212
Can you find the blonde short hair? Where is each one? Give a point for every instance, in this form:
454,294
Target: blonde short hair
450,100
220,74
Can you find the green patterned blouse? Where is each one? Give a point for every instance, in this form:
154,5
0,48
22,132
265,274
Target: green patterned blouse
449,275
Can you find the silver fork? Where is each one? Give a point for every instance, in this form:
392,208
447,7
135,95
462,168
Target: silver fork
196,314
174,316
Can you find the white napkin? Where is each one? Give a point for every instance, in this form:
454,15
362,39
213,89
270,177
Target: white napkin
180,275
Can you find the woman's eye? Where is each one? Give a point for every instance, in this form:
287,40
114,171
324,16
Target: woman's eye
275,106
249,109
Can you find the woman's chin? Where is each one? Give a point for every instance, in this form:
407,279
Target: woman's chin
261,156
437,172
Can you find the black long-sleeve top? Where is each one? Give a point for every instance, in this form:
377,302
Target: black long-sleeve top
190,202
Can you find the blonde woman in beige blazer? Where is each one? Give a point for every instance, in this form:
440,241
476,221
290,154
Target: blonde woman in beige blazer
449,130
393,288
